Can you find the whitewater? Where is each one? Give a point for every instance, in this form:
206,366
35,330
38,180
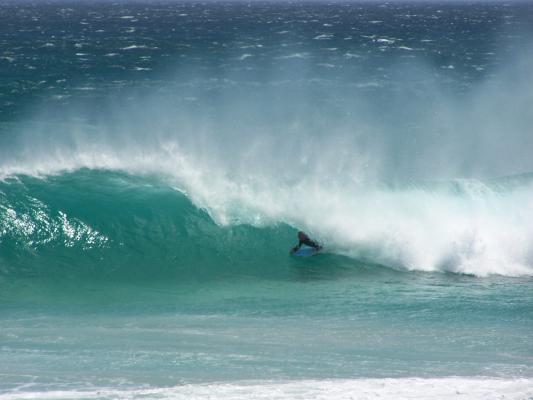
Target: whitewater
158,159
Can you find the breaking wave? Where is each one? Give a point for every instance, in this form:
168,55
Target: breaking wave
102,222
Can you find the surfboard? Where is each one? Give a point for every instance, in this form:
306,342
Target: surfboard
305,251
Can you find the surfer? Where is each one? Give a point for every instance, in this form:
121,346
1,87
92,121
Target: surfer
304,239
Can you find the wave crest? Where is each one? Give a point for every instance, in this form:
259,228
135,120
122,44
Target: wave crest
122,222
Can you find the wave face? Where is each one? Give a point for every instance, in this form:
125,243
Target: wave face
104,223
381,144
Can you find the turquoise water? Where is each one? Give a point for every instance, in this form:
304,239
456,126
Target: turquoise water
155,294
158,159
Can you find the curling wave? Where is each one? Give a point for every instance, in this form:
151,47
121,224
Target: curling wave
107,223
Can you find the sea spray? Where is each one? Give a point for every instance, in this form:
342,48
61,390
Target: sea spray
157,160
358,170
466,227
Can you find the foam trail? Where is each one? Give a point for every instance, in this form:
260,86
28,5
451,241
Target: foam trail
394,388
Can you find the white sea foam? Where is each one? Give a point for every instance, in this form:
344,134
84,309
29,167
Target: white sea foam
136,46
326,65
295,55
324,36
352,55
363,389
248,167
471,229
385,40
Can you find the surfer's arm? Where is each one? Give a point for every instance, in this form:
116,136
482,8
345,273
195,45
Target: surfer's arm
310,243
297,247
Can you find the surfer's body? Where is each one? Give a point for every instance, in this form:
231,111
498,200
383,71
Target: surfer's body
303,239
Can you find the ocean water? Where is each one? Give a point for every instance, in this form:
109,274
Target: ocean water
158,158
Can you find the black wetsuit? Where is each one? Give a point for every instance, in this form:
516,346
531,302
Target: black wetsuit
308,242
